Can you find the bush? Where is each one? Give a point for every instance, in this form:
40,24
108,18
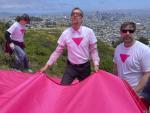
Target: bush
106,56
144,40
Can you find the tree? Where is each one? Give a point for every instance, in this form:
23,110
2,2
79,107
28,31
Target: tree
2,30
116,42
144,40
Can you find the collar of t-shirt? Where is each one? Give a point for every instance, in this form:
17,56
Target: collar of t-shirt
77,31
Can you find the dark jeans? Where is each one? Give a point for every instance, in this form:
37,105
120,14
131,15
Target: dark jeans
72,71
20,58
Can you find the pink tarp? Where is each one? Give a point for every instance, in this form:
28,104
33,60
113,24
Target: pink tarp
37,93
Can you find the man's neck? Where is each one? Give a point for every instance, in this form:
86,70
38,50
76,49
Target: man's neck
76,27
129,44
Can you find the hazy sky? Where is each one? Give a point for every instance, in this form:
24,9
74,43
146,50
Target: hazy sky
44,6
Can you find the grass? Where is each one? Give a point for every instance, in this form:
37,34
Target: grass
40,43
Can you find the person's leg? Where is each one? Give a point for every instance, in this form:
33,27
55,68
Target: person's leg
26,62
17,58
21,56
84,71
26,65
69,75
19,52
17,63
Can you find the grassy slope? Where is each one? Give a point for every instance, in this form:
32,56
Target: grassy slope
41,43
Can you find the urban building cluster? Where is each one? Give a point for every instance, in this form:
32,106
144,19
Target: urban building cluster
105,24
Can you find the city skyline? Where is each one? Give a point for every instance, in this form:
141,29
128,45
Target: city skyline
58,6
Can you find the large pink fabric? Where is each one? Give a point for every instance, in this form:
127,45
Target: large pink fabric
36,93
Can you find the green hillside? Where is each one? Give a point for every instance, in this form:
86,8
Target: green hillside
41,43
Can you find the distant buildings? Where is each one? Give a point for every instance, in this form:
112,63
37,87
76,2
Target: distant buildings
105,24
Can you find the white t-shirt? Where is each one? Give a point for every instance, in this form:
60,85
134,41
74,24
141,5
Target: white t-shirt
17,32
132,62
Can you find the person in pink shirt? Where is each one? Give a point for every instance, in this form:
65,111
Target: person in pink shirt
81,45
14,36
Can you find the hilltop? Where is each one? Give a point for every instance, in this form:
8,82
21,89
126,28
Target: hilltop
40,43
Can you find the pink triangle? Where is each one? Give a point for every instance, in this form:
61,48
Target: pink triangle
77,40
124,57
22,31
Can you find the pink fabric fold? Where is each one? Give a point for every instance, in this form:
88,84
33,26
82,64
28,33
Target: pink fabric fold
36,93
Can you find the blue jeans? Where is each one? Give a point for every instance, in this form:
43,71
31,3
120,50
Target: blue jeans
20,58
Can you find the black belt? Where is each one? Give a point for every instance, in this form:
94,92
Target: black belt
77,65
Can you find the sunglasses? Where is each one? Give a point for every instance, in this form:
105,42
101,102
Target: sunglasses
125,31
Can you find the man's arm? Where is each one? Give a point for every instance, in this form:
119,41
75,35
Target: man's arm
142,82
145,64
7,37
95,56
52,59
9,40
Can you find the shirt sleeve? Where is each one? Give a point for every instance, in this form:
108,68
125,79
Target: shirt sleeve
55,55
12,28
117,51
114,57
93,48
94,54
145,62
7,37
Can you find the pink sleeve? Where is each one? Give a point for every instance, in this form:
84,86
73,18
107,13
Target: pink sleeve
94,54
55,55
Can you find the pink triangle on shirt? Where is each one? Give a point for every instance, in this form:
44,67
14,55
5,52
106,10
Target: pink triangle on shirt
22,31
124,57
77,40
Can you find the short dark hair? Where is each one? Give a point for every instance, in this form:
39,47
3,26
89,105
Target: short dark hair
23,17
76,8
128,23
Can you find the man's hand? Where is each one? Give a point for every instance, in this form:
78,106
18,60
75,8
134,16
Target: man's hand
96,68
43,69
12,45
143,82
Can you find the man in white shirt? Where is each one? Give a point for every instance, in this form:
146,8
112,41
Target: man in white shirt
131,58
81,45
